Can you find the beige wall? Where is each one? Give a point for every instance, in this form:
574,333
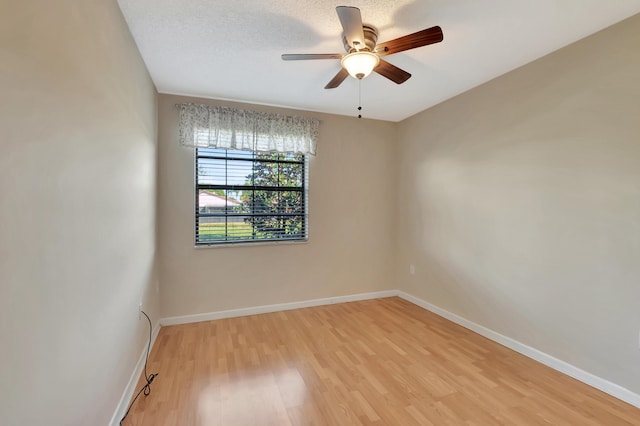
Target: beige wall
351,200
77,208
521,204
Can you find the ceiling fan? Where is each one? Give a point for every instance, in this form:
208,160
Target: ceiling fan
363,54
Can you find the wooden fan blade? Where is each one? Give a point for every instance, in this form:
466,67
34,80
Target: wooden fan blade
421,38
351,22
393,73
338,79
303,56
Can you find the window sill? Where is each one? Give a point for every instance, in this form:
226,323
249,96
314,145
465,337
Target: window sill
250,244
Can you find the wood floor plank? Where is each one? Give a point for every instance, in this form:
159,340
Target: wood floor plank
375,362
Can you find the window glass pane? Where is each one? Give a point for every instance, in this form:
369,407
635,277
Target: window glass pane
239,172
265,174
211,152
239,228
290,174
211,172
211,229
234,201
264,202
294,225
218,201
290,202
289,156
268,156
242,155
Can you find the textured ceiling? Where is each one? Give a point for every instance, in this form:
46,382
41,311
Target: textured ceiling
231,49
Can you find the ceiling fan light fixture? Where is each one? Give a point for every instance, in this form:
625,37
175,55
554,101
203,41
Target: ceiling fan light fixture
360,64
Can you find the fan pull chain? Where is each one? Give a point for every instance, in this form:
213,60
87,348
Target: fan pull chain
359,97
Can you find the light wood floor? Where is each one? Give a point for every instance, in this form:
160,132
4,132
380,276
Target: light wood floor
382,362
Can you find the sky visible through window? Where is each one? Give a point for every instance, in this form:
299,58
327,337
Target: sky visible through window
236,173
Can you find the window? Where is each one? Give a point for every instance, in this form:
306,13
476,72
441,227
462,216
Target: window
245,196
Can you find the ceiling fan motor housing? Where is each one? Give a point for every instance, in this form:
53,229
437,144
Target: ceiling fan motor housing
370,39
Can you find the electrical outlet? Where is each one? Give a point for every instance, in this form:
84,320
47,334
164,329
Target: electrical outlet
140,311
412,269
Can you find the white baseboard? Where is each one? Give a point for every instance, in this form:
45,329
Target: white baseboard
185,319
133,381
604,385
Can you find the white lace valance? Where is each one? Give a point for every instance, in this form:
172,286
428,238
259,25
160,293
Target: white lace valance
205,126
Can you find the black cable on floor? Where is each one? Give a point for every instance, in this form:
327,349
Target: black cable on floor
146,389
